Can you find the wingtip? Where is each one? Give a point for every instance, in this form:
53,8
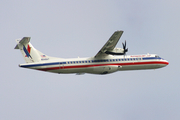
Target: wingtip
119,31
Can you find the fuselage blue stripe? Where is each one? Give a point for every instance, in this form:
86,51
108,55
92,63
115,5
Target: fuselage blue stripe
91,61
150,58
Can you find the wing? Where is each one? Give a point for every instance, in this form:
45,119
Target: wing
110,44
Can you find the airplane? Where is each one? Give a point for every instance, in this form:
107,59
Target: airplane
108,60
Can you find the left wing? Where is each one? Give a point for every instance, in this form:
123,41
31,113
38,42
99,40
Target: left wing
110,44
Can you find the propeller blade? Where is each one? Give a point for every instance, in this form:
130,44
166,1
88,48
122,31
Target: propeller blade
126,50
125,44
124,47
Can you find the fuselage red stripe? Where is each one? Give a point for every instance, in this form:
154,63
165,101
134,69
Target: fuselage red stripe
96,65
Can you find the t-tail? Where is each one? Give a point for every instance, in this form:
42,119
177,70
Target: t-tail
29,53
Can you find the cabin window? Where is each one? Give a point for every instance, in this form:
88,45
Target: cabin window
85,61
82,61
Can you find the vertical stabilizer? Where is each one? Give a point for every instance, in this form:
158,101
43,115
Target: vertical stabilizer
29,53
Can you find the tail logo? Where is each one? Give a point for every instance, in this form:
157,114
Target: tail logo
27,51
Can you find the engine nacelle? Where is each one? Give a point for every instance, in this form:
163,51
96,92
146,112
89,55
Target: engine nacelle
116,51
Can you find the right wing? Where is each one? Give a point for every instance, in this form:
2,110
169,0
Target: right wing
110,44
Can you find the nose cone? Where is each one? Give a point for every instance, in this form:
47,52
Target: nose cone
164,63
167,63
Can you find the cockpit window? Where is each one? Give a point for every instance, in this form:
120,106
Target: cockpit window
158,57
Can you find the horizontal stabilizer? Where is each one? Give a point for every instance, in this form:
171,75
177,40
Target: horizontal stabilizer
23,41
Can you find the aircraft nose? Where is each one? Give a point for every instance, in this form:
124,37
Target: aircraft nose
166,62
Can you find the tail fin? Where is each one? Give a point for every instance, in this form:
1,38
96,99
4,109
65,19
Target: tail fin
29,53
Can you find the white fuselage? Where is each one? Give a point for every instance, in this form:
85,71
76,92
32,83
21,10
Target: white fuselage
108,64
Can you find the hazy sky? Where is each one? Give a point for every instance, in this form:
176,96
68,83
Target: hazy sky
67,29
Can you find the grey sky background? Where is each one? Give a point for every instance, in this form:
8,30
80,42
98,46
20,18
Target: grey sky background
70,29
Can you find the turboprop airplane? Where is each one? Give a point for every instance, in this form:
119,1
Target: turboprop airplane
108,60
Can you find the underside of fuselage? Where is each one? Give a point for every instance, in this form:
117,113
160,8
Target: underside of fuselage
106,69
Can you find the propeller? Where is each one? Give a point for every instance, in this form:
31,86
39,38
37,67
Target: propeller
124,47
